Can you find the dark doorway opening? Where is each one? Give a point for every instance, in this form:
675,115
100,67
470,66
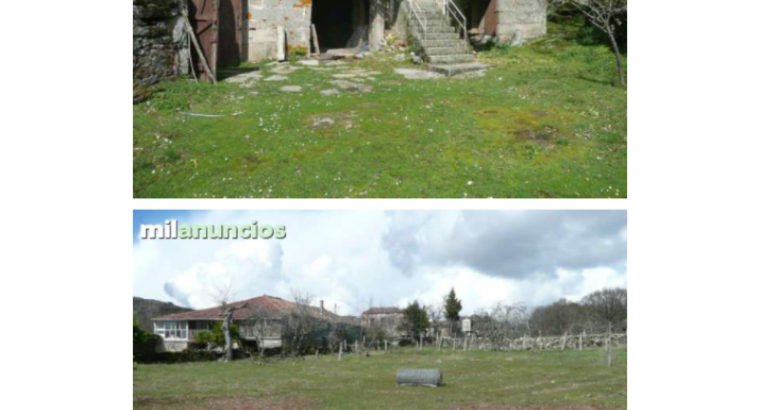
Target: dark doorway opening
230,32
340,23
482,19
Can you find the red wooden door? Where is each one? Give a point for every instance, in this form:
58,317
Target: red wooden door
491,21
204,17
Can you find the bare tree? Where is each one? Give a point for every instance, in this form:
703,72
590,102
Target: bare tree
607,306
514,317
500,323
560,317
226,311
337,337
375,335
605,15
301,325
435,314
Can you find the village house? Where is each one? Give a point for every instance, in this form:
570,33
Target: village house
260,322
386,319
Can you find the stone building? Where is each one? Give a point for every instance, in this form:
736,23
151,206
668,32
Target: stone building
505,20
351,23
386,319
233,31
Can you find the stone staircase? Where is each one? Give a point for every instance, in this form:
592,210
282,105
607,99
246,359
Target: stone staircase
441,44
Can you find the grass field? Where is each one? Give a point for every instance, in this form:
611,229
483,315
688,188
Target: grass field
544,121
482,380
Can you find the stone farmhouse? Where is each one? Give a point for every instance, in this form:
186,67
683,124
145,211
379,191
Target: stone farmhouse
233,31
386,319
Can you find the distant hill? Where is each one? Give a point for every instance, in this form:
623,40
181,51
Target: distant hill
145,309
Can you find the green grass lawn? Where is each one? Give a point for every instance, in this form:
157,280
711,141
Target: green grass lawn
539,379
544,121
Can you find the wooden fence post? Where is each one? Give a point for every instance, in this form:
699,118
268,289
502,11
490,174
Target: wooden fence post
315,40
609,344
198,49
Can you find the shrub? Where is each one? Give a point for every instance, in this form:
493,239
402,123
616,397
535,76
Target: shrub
215,336
144,344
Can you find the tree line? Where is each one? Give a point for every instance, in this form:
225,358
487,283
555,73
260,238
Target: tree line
597,312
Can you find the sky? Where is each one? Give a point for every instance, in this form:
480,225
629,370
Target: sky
357,259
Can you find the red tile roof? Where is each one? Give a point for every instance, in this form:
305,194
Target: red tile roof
382,310
263,306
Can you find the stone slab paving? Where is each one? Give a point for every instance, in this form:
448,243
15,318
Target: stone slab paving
351,86
309,63
291,88
415,74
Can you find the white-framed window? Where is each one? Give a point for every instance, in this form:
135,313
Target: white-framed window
171,329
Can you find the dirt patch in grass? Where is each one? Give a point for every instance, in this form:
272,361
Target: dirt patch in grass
545,134
252,159
324,121
523,125
226,403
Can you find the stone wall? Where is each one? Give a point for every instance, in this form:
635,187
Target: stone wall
520,19
263,18
397,20
585,341
159,47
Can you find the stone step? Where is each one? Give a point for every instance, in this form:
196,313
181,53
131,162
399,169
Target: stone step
437,28
441,30
430,16
460,48
451,59
454,69
442,43
441,36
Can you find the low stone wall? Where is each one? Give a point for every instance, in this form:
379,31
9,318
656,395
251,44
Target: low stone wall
577,341
159,47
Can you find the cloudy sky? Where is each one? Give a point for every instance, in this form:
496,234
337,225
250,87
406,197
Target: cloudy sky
382,258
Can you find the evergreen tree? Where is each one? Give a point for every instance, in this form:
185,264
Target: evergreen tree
452,306
415,321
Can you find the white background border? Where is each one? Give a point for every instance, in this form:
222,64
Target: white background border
693,207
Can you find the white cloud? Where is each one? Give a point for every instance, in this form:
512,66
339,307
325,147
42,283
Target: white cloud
353,259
